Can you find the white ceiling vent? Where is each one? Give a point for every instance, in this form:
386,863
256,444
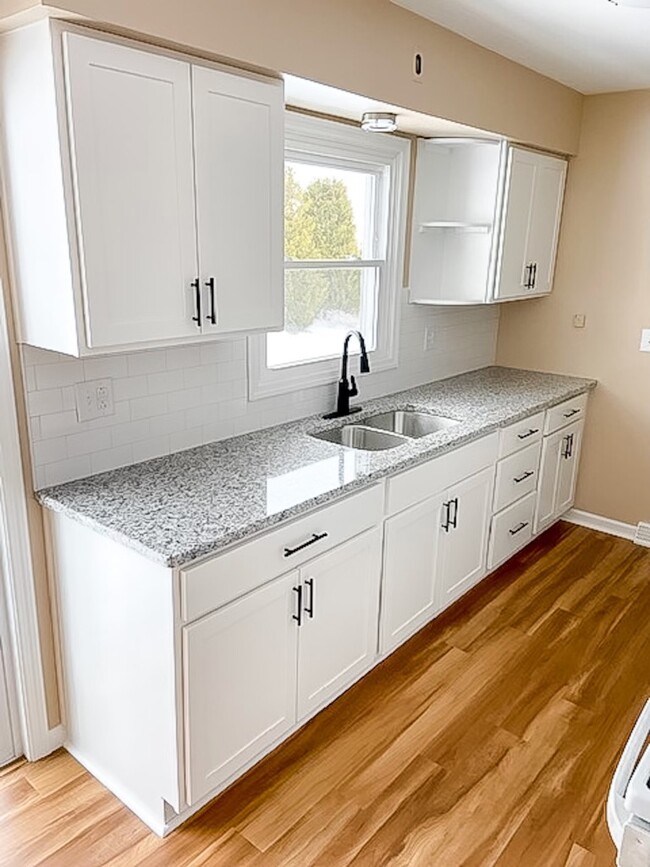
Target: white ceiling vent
642,535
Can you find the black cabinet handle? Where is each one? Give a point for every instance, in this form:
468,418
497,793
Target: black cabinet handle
518,528
528,275
568,446
298,616
309,607
445,521
196,285
316,537
454,520
534,275
524,436
571,413
212,315
526,475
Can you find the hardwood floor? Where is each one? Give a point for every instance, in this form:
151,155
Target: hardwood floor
489,739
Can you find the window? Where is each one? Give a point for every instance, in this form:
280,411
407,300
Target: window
345,196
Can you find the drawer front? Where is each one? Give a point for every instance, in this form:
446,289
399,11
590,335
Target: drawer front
430,478
516,476
521,434
224,577
565,413
511,530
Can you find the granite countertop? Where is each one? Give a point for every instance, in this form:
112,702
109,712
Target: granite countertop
186,505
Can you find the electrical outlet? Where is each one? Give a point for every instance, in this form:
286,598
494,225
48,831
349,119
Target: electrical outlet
94,399
579,320
645,340
429,338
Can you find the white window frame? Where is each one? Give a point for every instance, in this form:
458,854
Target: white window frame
330,139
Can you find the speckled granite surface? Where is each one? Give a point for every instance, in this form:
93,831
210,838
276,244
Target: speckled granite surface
192,503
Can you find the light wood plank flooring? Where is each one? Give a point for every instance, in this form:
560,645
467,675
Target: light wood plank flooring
489,739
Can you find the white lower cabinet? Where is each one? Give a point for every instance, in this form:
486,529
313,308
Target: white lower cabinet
464,527
338,623
558,474
240,683
411,547
256,666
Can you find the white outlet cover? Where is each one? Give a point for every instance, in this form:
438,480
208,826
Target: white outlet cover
645,340
429,338
94,399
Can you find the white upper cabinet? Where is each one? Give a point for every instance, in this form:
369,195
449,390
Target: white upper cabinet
486,222
159,184
533,207
130,119
239,147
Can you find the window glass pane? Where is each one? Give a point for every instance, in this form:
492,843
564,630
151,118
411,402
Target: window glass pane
322,305
328,212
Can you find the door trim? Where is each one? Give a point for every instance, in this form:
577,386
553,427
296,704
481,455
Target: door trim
32,733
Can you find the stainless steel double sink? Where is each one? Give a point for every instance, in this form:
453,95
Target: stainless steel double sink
386,430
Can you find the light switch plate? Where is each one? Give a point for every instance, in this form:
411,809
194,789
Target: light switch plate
94,399
645,340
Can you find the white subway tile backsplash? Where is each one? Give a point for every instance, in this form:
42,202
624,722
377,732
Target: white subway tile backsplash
43,402
58,375
178,398
88,442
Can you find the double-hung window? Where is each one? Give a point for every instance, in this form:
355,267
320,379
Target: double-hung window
344,213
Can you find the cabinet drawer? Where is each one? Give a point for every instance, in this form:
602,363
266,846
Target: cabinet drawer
565,413
516,476
430,478
521,434
511,530
224,577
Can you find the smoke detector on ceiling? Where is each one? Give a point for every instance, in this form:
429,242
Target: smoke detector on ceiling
640,4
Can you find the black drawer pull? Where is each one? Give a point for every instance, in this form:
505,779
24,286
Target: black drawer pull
316,537
212,315
196,285
309,607
526,475
298,616
518,528
571,412
529,433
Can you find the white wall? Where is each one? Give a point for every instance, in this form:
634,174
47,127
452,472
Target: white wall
173,399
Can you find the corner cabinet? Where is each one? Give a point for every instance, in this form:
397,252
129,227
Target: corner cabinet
154,176
486,222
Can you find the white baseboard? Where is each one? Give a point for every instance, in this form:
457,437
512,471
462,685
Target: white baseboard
604,525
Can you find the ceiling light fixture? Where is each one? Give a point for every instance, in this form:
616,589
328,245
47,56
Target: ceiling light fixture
639,4
378,121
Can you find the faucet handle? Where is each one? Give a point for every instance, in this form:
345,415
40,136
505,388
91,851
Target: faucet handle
354,391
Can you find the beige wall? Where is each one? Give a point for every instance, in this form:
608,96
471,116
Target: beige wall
603,271
365,46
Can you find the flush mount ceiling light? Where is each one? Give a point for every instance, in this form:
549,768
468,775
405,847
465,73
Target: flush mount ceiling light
640,4
380,121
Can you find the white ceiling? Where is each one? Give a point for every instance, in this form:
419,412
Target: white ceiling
591,45
302,93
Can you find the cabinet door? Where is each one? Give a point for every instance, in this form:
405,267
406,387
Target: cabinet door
411,542
239,148
464,525
239,683
130,121
338,635
546,212
558,474
512,273
568,472
531,224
